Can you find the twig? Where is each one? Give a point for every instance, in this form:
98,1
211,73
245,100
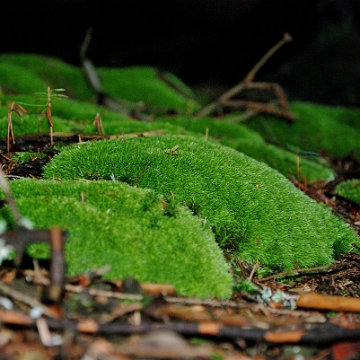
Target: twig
137,182
245,83
33,142
94,80
320,334
99,125
57,267
250,76
49,115
14,108
294,271
253,270
17,295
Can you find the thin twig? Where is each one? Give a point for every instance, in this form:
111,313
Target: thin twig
49,115
94,80
294,271
253,270
57,269
17,295
245,82
34,142
250,76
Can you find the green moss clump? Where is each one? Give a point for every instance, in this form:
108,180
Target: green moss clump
135,84
140,83
248,204
36,73
74,116
317,128
15,78
129,229
350,189
249,142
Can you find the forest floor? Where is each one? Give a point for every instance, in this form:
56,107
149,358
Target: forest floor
93,318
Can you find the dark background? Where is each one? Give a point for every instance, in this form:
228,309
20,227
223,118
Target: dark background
207,43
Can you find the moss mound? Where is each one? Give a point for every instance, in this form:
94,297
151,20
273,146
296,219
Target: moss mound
129,229
248,204
317,128
242,138
350,189
26,73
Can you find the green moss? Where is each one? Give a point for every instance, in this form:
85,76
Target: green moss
317,128
140,83
74,116
248,204
127,228
15,78
26,73
249,142
41,72
350,189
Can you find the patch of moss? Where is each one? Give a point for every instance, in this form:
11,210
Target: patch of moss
249,142
317,128
350,189
129,229
27,73
143,84
43,71
248,204
74,116
15,78
140,83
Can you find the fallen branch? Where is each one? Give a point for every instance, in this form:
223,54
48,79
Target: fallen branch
104,98
316,335
94,80
226,99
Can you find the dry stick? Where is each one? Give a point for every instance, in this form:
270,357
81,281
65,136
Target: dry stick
256,107
57,270
294,271
321,334
13,108
31,141
99,125
94,80
10,132
248,78
253,270
317,334
49,116
19,296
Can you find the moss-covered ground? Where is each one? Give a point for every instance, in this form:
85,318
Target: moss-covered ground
350,189
128,228
236,183
248,204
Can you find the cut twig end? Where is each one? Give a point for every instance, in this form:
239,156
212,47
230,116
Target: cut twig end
287,37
